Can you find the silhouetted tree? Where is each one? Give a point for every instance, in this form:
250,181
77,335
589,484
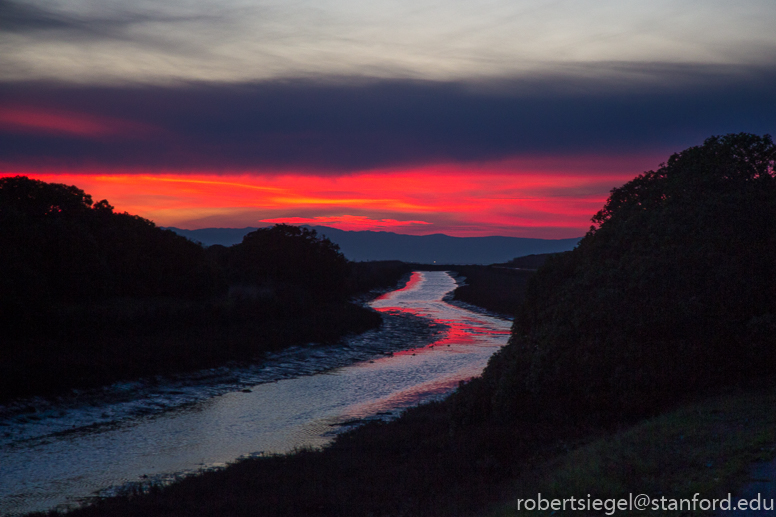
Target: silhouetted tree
89,296
670,293
37,199
57,245
291,255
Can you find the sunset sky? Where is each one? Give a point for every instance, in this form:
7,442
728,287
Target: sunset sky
500,117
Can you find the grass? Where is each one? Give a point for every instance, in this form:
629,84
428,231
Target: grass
706,448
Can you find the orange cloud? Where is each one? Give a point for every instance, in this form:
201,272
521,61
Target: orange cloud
538,199
346,222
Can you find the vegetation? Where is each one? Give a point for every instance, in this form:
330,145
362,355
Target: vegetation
529,261
59,247
705,448
89,296
291,256
380,274
671,294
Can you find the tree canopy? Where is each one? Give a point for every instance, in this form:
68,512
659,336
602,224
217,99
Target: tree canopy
36,199
59,246
291,255
670,293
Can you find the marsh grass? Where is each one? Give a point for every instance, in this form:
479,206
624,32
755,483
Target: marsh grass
706,447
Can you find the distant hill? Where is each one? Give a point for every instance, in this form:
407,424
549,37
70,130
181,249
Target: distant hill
425,249
533,261
211,236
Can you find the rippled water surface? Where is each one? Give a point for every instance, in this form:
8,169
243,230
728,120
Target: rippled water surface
58,453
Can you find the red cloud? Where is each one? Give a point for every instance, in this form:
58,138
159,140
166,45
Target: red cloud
549,199
37,120
346,222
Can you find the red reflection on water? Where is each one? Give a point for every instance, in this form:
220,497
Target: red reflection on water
455,332
412,283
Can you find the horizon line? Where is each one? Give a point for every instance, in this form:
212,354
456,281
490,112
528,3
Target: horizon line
373,231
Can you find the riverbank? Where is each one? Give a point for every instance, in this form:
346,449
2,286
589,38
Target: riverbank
500,290
422,351
164,339
91,344
418,465
94,344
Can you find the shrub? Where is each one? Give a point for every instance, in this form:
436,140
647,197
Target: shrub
671,293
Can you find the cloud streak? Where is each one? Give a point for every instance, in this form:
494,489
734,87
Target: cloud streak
234,41
18,17
348,125
347,222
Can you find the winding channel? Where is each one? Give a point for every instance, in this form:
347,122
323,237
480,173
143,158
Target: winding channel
56,454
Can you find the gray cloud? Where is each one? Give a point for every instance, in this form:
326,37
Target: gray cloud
111,41
18,17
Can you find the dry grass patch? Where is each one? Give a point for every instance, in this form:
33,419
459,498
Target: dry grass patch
706,448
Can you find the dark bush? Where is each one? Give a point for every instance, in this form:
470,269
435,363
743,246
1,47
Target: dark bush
671,293
290,255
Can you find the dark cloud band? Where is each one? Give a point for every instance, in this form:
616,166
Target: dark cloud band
344,125
61,26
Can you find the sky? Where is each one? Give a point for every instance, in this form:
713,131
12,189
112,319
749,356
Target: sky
496,117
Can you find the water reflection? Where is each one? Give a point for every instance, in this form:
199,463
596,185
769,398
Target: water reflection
444,345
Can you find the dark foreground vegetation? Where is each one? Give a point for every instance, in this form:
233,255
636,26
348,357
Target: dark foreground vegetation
671,294
89,296
668,300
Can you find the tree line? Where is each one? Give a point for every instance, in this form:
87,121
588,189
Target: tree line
90,295
670,294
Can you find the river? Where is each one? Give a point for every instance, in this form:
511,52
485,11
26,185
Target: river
57,454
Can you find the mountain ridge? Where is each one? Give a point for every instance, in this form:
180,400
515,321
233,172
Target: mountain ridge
368,245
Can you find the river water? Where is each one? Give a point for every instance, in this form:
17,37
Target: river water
56,454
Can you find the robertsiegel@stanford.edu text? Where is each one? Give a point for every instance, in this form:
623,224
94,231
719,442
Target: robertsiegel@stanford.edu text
643,502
